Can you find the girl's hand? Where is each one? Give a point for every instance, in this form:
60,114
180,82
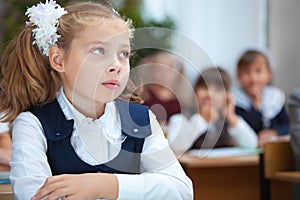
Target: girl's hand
265,136
256,95
231,117
79,187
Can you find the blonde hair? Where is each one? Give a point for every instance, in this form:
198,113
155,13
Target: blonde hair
27,78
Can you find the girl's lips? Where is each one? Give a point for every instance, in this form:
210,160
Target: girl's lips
112,84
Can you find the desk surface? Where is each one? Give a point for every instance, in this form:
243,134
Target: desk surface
6,192
5,188
191,161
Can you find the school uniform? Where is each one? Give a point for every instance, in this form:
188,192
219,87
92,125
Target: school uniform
95,146
272,113
170,107
185,133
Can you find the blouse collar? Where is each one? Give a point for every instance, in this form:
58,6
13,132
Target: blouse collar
109,121
273,99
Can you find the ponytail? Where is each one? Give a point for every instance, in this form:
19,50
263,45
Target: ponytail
27,77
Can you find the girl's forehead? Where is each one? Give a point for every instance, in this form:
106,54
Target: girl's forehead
259,61
104,30
209,85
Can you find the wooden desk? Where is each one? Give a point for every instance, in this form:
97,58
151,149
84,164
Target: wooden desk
231,178
289,176
6,192
5,189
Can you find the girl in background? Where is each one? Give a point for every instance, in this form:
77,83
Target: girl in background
259,103
73,136
164,91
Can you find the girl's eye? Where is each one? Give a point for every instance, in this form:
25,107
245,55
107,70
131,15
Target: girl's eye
125,54
98,51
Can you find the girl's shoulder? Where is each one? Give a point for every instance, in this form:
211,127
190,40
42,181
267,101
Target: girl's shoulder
273,91
295,92
273,97
273,101
294,97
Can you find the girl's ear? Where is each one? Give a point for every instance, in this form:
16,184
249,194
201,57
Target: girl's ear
56,58
270,76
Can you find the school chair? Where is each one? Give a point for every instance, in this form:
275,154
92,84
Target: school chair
279,169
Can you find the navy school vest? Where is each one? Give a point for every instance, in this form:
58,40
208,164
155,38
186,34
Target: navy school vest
63,159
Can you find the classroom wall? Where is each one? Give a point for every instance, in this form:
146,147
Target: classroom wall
223,29
284,42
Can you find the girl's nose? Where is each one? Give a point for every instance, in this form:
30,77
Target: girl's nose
253,76
114,67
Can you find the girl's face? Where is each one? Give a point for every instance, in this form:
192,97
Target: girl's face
212,96
255,77
165,69
96,69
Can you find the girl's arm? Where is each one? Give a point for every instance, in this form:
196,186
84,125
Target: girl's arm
240,131
79,186
243,135
29,166
5,148
183,132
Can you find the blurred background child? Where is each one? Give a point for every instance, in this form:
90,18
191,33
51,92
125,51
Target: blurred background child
164,90
259,103
216,123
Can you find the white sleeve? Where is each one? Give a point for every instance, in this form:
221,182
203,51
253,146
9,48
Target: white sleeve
243,135
183,132
162,177
29,166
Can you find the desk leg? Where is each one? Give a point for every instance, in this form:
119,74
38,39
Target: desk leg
264,183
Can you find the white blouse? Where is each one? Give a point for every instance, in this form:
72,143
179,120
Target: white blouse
183,132
162,176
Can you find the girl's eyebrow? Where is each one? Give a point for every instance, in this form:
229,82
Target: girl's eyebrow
125,45
106,44
97,43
